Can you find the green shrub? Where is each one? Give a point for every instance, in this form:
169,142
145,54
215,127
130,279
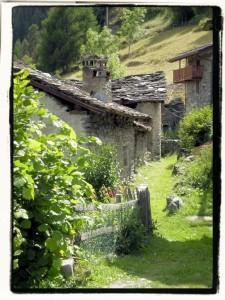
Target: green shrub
195,182
131,236
199,172
101,169
196,128
46,184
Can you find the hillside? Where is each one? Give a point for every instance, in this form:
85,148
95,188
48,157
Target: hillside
151,53
159,42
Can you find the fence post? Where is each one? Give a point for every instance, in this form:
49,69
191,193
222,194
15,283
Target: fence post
143,196
118,198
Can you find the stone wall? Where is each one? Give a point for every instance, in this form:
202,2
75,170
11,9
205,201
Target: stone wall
172,113
169,146
76,119
141,147
204,86
120,132
154,137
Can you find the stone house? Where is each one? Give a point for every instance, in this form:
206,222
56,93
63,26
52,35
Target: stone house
196,75
97,106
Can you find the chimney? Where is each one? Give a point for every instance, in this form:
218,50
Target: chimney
97,80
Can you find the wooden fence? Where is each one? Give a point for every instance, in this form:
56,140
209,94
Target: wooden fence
142,203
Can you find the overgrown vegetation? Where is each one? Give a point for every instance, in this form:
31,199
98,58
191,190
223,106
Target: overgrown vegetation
101,170
196,127
47,183
131,237
194,181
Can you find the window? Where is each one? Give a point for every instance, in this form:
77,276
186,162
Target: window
94,73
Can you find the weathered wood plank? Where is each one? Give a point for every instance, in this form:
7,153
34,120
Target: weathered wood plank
91,207
145,207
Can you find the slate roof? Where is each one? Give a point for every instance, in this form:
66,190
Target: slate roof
140,88
191,52
135,88
69,92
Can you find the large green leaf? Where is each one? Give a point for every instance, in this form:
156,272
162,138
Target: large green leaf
51,244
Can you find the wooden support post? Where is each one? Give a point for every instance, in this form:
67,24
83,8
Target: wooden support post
130,195
118,198
143,196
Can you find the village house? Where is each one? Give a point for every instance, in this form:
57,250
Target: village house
124,112
196,75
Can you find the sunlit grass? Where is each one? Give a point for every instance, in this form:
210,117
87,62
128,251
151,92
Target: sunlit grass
178,256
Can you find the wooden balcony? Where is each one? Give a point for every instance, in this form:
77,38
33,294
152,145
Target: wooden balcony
188,73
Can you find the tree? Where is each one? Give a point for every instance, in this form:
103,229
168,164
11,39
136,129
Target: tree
131,21
63,33
104,43
33,36
24,16
21,48
18,49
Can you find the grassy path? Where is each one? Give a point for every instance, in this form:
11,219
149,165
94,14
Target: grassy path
179,256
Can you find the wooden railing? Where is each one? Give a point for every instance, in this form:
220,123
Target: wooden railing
187,73
142,202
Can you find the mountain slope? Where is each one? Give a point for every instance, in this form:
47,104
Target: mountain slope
158,43
151,53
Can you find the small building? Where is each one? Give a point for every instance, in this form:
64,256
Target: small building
96,107
196,75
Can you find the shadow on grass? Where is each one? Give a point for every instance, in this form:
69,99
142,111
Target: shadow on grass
205,204
172,263
172,31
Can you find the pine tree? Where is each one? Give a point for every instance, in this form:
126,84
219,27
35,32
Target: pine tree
63,33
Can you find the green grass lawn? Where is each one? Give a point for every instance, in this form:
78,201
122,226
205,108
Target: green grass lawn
178,256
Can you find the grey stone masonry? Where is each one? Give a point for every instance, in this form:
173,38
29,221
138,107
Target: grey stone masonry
96,78
199,92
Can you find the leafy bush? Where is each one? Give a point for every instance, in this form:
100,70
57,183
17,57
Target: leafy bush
131,236
196,128
46,184
195,182
199,172
101,169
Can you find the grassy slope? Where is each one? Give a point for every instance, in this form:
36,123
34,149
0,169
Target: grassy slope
157,45
151,53
180,256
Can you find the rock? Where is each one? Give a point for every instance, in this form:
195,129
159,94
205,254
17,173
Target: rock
173,203
67,267
189,158
175,170
183,153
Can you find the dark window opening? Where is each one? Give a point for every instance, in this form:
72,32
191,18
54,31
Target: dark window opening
125,156
197,86
94,73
